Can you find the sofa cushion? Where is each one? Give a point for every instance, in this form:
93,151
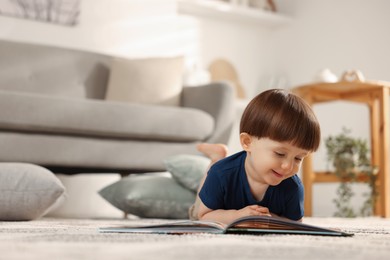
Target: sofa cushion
27,191
65,116
51,70
148,81
77,152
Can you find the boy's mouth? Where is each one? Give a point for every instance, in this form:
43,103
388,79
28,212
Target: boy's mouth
277,174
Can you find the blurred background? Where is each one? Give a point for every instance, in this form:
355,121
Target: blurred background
282,48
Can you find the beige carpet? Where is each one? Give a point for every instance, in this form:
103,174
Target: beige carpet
80,239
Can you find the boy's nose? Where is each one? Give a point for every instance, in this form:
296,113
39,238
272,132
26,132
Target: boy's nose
287,165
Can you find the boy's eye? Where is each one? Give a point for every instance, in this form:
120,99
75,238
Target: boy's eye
298,159
279,154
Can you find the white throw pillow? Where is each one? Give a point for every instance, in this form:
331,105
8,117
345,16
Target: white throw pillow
27,191
151,80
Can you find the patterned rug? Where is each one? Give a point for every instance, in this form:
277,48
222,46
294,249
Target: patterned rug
79,239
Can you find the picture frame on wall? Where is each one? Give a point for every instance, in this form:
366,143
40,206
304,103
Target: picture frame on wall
63,12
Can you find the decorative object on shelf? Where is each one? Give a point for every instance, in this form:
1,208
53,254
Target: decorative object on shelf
325,75
349,158
65,12
353,76
222,69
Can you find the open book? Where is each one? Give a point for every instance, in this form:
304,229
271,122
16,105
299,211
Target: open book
246,225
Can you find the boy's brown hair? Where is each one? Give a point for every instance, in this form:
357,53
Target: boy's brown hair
282,116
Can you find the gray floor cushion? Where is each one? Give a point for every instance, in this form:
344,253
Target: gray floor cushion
27,191
150,196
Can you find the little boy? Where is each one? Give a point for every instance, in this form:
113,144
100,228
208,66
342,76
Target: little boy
277,131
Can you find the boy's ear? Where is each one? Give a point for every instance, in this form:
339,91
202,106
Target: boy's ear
245,140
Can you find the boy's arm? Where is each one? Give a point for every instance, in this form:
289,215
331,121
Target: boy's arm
228,216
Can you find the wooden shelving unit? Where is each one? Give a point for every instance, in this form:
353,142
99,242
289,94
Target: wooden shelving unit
374,94
214,9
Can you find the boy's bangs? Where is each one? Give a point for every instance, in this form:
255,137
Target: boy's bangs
293,125
300,132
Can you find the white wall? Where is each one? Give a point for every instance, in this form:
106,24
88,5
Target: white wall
130,28
246,45
339,35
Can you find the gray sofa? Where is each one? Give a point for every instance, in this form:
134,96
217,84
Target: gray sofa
53,114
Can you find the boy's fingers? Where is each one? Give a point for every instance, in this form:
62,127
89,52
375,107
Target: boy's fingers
263,210
259,210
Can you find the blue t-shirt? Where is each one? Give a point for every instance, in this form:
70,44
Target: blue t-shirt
227,187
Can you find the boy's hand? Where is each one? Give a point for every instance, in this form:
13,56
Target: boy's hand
254,210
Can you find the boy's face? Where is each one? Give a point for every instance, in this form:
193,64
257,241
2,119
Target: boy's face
270,162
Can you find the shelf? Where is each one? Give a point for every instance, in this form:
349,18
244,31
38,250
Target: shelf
331,177
230,12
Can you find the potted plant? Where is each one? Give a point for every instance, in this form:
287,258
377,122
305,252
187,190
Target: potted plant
350,160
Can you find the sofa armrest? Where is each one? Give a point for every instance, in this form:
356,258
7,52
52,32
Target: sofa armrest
217,99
